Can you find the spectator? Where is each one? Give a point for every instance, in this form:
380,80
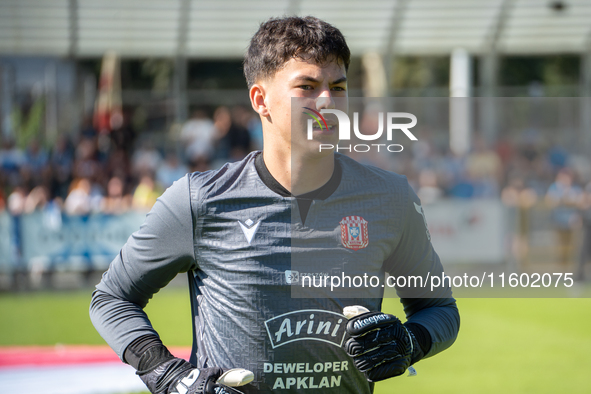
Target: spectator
87,131
463,188
78,201
16,201
145,194
146,159
233,140
484,169
37,199
115,202
170,171
520,198
86,164
123,136
505,150
557,157
450,168
246,118
200,164
585,252
11,160
2,200
36,157
422,157
564,197
222,121
16,206
118,164
197,136
27,178
61,160
97,192
428,190
238,136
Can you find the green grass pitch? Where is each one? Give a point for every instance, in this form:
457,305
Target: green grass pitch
504,346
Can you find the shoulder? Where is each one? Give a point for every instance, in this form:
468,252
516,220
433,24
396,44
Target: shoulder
388,181
215,182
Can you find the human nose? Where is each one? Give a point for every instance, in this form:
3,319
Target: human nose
325,100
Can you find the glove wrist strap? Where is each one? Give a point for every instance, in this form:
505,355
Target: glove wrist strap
152,358
416,351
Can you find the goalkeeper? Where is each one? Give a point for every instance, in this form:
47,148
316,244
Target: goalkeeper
235,232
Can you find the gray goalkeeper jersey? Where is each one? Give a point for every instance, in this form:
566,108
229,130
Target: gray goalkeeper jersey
247,254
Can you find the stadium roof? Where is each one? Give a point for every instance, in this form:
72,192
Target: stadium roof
222,28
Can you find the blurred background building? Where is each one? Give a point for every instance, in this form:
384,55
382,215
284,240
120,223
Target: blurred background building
104,104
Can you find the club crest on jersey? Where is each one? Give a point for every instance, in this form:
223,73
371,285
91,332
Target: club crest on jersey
354,233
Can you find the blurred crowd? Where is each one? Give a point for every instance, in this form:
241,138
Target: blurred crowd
494,170
115,171
528,172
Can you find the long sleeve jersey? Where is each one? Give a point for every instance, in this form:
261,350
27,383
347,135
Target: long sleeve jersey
249,249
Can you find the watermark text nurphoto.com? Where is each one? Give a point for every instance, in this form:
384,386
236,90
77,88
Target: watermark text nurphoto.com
432,282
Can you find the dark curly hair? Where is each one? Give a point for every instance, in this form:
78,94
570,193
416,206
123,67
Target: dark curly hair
280,39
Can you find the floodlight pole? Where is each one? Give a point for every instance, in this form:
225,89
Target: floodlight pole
389,49
489,71
7,77
180,65
585,110
180,89
73,27
51,97
74,34
460,111
487,120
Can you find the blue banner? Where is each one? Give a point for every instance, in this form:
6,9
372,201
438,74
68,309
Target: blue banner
58,241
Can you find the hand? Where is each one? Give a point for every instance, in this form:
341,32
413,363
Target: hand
177,376
381,346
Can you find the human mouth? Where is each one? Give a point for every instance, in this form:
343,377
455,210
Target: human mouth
325,130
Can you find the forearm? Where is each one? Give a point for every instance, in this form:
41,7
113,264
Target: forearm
150,259
118,321
441,319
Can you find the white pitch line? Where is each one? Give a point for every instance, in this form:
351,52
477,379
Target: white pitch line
97,378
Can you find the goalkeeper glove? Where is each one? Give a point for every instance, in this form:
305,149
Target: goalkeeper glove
381,346
165,374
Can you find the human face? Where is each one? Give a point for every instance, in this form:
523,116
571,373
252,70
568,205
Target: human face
316,86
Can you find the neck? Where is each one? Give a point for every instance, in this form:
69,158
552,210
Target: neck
299,174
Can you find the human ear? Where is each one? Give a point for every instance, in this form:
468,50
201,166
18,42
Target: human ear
257,99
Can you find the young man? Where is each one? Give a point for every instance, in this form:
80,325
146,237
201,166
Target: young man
237,231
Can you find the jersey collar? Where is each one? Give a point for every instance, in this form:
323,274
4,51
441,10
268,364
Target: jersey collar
322,193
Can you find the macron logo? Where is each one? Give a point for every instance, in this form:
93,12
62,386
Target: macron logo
249,228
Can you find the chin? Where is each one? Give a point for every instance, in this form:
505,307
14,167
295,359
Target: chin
319,148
